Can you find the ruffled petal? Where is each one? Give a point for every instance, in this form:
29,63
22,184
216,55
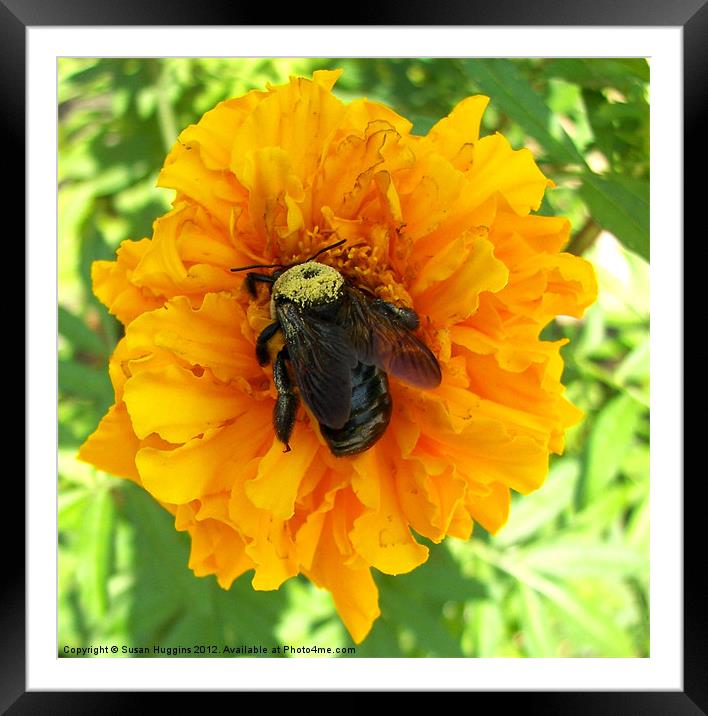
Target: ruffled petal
113,445
113,286
353,588
449,285
512,173
298,118
381,535
210,336
455,135
173,266
179,405
206,464
213,134
215,191
279,475
217,549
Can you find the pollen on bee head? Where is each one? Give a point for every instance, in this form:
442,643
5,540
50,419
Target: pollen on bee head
309,283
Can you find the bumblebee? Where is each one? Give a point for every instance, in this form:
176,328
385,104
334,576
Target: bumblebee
340,342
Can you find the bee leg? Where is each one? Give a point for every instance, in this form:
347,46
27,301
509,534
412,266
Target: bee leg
252,278
262,342
285,408
407,316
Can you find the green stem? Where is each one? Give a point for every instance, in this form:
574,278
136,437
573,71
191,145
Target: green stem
584,238
165,113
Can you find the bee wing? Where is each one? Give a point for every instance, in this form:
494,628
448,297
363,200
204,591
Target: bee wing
322,359
381,338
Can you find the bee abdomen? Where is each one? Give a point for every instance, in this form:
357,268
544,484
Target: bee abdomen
370,413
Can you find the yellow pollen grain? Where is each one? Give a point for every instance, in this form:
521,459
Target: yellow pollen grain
309,283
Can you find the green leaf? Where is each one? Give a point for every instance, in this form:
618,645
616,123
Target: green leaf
310,616
634,369
73,504
79,335
539,639
501,80
421,124
587,615
420,618
599,73
605,510
485,628
621,206
170,605
570,558
95,553
85,381
532,512
382,641
638,527
591,620
612,434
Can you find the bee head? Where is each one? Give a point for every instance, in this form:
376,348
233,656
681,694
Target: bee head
309,284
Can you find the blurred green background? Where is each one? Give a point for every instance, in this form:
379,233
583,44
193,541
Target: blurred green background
568,576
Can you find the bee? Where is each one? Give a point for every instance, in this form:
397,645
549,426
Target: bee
341,343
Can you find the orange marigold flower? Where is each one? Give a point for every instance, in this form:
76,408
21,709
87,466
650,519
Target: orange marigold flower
439,223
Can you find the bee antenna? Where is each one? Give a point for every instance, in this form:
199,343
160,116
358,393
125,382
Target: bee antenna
314,256
326,248
255,266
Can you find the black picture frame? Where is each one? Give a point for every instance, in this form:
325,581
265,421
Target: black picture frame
692,15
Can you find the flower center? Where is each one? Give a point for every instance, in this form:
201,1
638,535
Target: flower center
361,264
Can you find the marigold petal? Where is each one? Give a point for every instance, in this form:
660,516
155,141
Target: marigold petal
459,129
550,285
491,510
360,112
207,464
461,524
448,287
536,234
117,371
210,336
214,132
113,445
514,351
429,501
113,286
164,266
353,588
201,241
298,117
381,535
479,446
404,430
356,168
512,173
426,204
215,191
326,78
280,474
273,553
307,535
178,405
275,194
218,549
